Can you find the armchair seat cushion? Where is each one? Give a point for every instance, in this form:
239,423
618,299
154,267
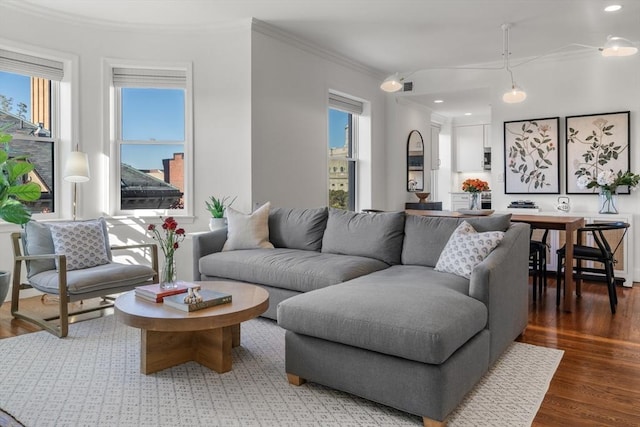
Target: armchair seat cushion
103,279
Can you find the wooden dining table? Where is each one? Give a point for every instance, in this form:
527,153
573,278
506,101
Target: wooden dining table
568,224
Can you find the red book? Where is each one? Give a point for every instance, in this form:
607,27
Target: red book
154,293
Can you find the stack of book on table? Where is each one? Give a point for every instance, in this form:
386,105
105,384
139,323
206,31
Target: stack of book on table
154,293
525,206
209,299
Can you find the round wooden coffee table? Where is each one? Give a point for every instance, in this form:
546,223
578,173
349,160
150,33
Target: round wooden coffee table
170,337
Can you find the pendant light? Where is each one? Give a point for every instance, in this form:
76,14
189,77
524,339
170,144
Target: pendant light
618,46
516,94
393,83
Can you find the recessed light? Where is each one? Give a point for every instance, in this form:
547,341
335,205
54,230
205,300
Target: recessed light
438,101
612,8
467,114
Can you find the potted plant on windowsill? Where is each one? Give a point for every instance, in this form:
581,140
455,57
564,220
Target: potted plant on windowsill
217,207
13,190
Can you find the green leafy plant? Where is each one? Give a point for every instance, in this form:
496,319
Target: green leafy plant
216,207
13,191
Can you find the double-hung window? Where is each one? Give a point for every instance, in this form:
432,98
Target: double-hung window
343,119
29,111
152,140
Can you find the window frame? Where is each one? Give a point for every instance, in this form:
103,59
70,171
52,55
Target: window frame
55,138
352,154
116,140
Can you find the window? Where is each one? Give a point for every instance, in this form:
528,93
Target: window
152,140
29,107
343,115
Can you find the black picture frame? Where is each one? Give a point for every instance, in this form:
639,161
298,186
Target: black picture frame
596,142
532,156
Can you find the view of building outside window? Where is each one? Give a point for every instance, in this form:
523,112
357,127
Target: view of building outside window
341,163
152,148
26,113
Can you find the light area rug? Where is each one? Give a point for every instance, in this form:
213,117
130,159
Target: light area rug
92,378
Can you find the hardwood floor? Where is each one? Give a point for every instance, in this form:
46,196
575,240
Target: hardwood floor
598,380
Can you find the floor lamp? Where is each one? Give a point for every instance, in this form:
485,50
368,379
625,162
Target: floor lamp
76,170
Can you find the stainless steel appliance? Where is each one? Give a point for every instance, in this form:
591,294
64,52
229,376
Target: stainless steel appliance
487,158
485,200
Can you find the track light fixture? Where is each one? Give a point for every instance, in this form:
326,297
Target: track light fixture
615,46
618,46
393,83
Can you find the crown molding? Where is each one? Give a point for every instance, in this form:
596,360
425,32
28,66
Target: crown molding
50,14
307,46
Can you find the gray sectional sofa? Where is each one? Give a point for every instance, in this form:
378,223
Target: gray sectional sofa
367,312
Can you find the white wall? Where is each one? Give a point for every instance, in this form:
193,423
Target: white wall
289,124
260,115
222,108
571,85
403,116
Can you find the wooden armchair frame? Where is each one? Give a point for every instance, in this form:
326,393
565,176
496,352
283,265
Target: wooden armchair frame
64,297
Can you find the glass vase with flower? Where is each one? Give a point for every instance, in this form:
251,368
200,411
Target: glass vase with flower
475,187
607,183
169,240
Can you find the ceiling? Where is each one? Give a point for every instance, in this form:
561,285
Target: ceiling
385,35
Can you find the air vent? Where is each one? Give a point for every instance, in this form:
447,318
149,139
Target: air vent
408,87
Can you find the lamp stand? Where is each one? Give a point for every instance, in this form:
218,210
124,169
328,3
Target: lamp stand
75,199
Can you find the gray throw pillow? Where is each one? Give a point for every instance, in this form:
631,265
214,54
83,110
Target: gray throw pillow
426,237
83,243
38,241
297,228
371,235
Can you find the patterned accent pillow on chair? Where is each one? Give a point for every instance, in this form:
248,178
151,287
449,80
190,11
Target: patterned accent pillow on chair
83,243
467,248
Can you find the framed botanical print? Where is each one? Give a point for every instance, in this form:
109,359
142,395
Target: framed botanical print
596,143
532,163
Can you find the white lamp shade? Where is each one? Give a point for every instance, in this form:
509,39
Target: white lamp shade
618,46
392,83
77,167
515,95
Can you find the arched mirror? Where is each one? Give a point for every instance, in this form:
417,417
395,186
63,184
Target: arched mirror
415,162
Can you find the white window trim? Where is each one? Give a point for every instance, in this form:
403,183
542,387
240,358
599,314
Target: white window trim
361,122
112,114
64,120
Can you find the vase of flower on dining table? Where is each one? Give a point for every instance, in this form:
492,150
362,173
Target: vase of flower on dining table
607,183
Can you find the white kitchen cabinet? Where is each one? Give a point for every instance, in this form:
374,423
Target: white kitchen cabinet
435,147
459,201
469,147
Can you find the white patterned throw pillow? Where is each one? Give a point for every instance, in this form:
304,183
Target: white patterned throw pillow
467,248
83,243
248,231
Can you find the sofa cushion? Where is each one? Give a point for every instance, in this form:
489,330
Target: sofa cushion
297,228
415,321
248,231
373,235
425,237
292,269
467,248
